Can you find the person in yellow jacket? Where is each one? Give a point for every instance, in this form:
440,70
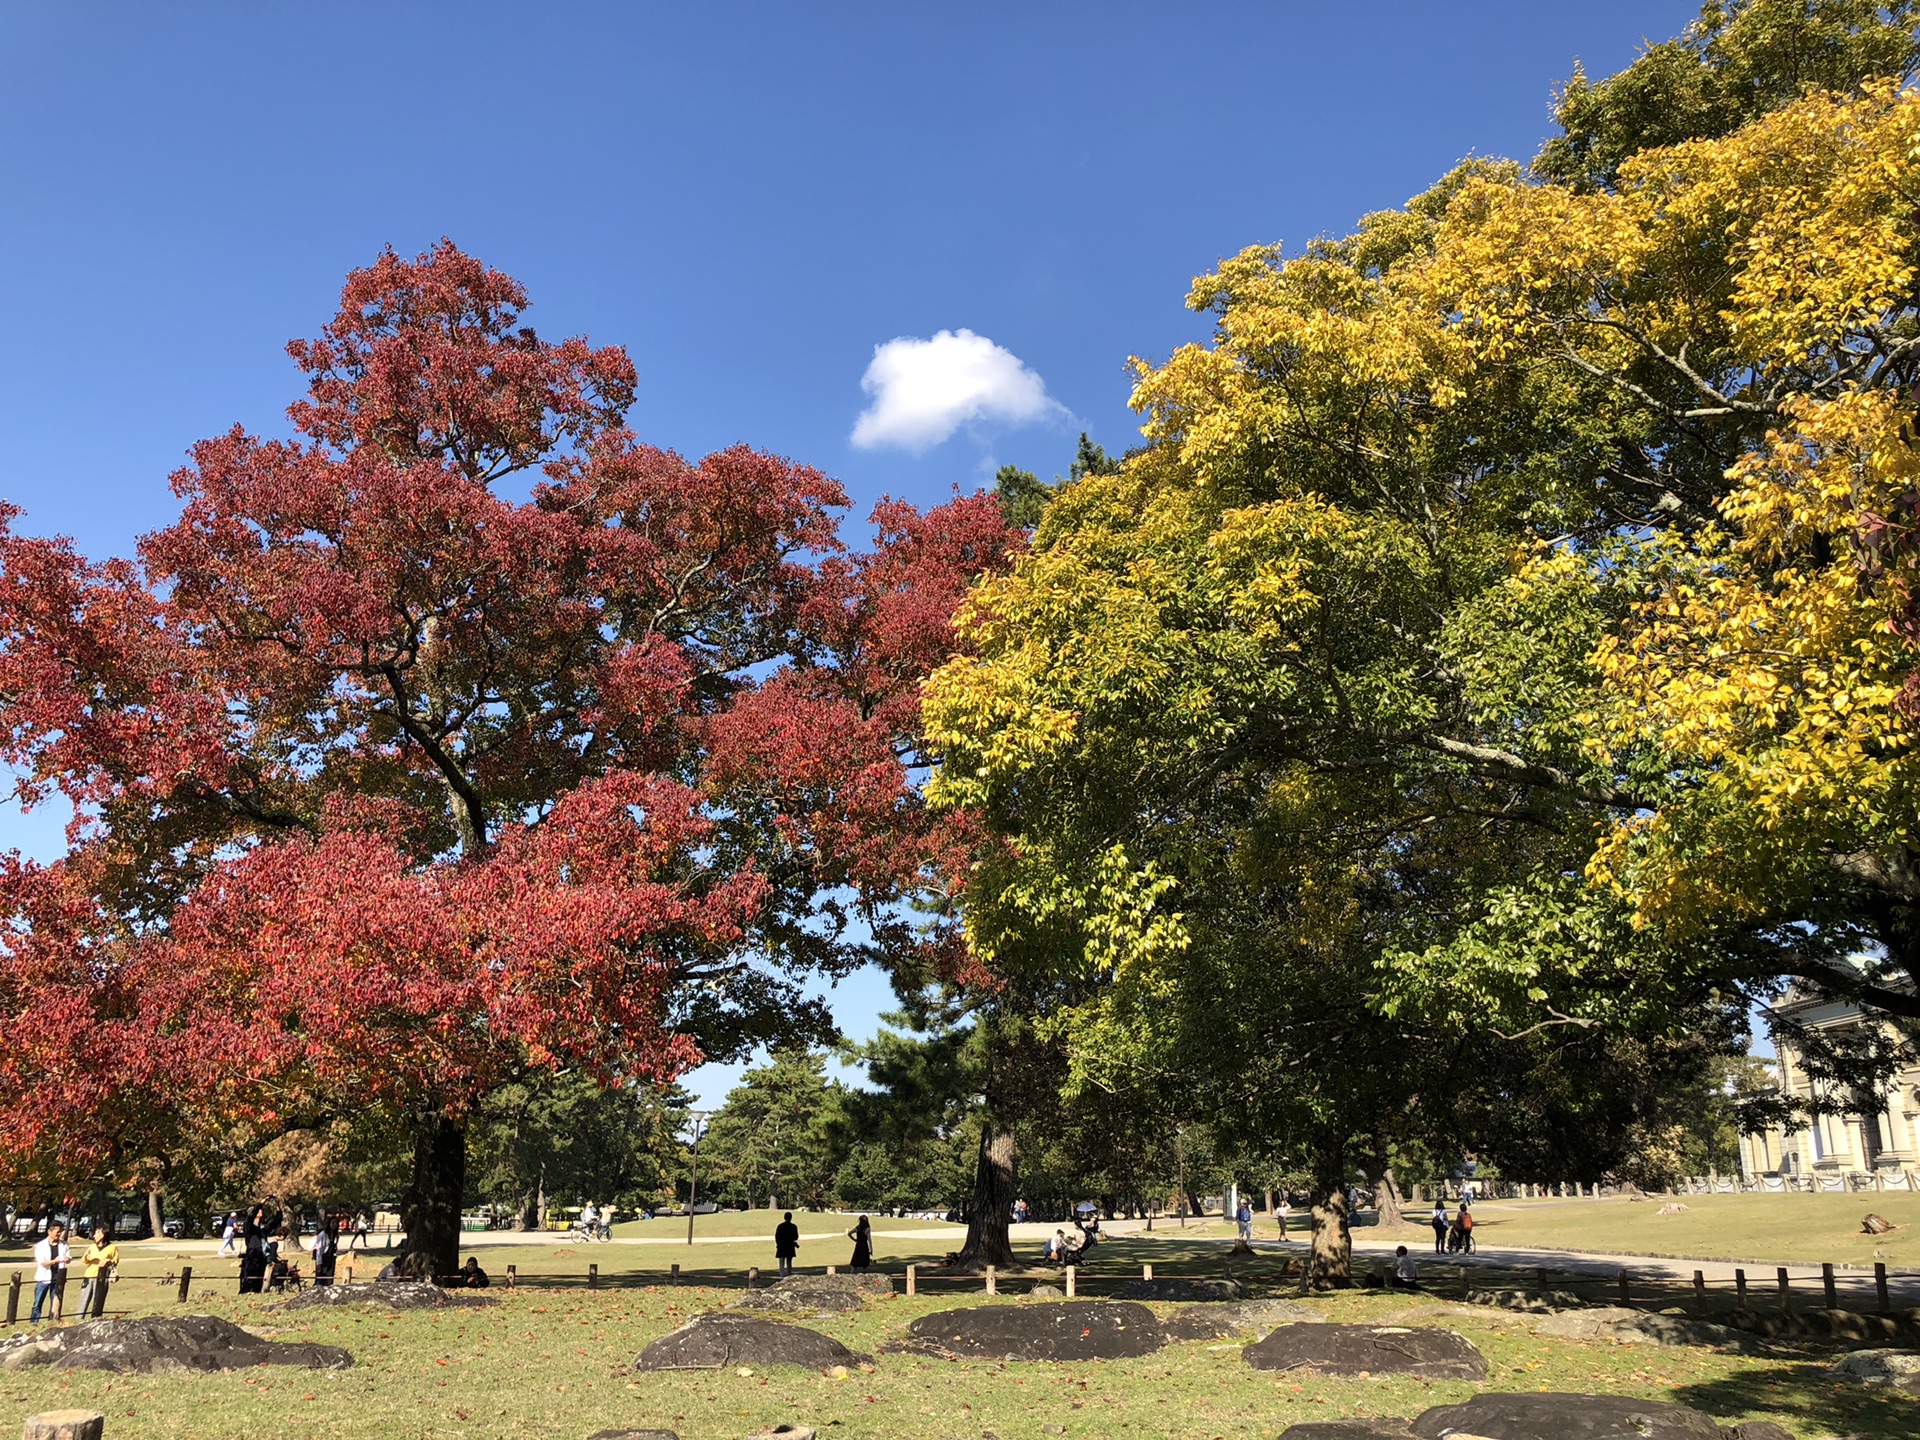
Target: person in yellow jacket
97,1265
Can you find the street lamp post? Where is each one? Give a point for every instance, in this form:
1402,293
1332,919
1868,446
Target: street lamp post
1180,1160
693,1178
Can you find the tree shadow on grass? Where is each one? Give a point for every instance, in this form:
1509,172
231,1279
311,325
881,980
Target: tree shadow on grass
1804,1394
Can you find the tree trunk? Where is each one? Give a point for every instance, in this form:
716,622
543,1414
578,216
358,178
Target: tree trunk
156,1217
1387,1196
430,1210
1330,1260
991,1210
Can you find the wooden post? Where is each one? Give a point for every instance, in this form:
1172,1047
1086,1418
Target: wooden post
1700,1290
1879,1286
1070,1270
753,1277
513,1276
593,1277
13,1300
1626,1298
1740,1288
1826,1282
676,1272
913,1279
186,1280
65,1425
991,1289
1786,1297
1540,1279
1146,1272
830,1270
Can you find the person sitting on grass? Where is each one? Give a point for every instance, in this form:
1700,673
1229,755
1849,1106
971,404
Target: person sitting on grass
471,1276
1406,1275
1057,1247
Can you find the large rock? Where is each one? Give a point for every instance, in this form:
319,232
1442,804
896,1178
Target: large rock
1174,1287
1636,1327
1068,1330
1369,1350
1566,1417
1360,1427
806,1294
1238,1317
1530,1301
388,1295
1881,1369
156,1345
713,1342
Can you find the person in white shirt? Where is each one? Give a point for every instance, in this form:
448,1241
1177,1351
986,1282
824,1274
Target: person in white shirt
1285,1212
50,1260
1406,1275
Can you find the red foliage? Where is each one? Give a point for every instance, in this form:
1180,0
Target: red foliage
391,786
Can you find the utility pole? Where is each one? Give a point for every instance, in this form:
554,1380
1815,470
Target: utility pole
698,1117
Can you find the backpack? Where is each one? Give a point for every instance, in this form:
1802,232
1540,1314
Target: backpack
1466,1221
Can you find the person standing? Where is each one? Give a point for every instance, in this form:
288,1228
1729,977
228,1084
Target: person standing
786,1243
1285,1212
97,1265
862,1237
326,1250
227,1232
254,1232
1439,1227
50,1260
1244,1215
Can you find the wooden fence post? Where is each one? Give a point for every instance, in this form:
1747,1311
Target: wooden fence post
1070,1270
1879,1286
13,1300
1146,1272
1826,1282
1740,1288
186,1280
991,1290
913,1279
753,1277
676,1272
593,1277
1786,1297
513,1276
1626,1297
1700,1290
832,1270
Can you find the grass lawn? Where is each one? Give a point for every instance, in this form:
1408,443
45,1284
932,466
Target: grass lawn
556,1363
760,1223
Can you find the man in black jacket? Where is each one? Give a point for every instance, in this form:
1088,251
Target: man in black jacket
786,1243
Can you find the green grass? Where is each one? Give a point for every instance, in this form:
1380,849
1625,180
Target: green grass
1778,1229
761,1223
555,1362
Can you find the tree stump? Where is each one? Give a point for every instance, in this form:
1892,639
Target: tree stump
65,1425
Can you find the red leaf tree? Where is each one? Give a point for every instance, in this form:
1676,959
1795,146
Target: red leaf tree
390,787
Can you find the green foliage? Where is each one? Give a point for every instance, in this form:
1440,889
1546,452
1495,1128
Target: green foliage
1022,495
775,1137
569,1140
1739,60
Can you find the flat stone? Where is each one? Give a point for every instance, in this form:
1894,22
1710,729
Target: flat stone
1529,1301
1565,1417
1175,1287
157,1345
634,1435
784,1432
1369,1350
1379,1427
807,1294
1071,1330
1044,1291
1626,1326
388,1295
1881,1369
714,1342
1220,1321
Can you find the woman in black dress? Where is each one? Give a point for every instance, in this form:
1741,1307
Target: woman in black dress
862,1237
253,1259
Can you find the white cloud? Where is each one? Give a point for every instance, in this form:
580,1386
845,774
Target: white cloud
924,390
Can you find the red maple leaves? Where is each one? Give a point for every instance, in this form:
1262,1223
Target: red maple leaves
390,785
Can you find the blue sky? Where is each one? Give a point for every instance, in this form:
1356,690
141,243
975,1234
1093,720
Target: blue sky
750,198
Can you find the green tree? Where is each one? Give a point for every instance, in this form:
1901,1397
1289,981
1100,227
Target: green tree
775,1137
564,1139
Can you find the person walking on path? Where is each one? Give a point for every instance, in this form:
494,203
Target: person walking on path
359,1236
862,1237
1439,1227
1284,1212
1244,1215
786,1243
227,1232
97,1266
50,1260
